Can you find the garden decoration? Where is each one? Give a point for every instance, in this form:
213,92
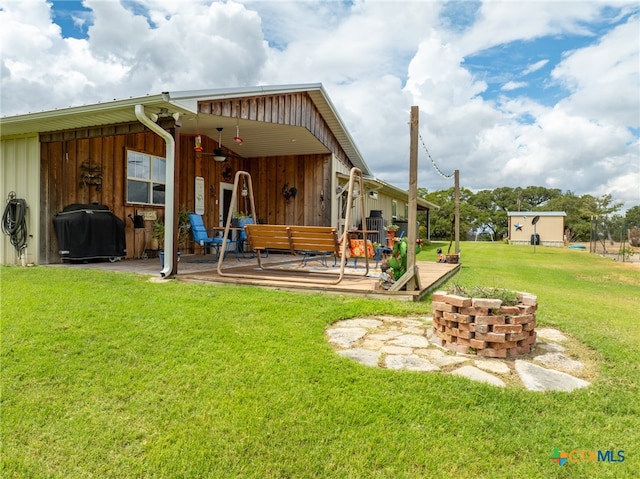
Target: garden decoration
398,259
289,193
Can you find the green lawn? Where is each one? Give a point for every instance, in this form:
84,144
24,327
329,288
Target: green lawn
108,375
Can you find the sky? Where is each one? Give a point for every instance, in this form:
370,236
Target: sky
510,93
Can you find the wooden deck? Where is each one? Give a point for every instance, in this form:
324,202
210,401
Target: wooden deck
432,275
202,268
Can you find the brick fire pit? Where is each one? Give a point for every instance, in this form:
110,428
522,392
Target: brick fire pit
484,326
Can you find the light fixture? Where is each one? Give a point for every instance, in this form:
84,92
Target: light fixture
245,190
219,154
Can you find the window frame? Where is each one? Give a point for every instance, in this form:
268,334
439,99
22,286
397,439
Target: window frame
150,175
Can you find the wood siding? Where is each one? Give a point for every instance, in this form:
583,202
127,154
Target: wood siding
66,157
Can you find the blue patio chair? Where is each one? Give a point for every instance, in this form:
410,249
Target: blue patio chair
241,240
201,236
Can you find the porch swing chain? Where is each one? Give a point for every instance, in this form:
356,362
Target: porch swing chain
14,222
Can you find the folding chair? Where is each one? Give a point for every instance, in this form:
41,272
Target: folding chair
201,236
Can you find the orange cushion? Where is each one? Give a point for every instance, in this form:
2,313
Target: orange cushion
357,248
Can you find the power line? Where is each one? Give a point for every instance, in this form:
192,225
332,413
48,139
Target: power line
433,162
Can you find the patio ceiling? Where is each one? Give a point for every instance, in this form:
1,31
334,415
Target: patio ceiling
260,138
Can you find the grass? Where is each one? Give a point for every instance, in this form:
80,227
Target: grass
107,375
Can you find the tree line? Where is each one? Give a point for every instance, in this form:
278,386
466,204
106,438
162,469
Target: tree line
483,215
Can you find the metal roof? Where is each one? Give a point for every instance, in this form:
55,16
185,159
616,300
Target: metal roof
261,139
536,213
393,191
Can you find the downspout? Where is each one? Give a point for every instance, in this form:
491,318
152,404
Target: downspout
169,212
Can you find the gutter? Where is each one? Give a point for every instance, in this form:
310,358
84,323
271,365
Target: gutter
169,213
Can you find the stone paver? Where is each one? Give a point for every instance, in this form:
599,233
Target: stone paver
492,366
537,378
359,323
408,344
550,334
552,347
396,349
445,361
560,361
345,336
410,363
411,341
364,356
386,335
475,374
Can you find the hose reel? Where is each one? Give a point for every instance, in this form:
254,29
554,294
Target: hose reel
14,222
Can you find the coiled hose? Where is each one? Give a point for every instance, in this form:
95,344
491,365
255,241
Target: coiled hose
14,223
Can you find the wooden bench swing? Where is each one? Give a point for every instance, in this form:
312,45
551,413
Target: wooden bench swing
294,239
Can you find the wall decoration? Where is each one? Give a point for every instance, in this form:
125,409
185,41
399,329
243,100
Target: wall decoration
91,175
227,173
289,193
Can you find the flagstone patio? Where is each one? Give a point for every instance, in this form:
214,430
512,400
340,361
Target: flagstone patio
409,344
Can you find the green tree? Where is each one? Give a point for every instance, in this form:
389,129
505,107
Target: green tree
537,197
632,217
488,212
578,220
441,220
601,212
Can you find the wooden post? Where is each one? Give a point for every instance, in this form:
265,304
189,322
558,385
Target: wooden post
457,217
411,278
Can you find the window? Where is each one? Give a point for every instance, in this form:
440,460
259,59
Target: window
394,209
146,178
406,210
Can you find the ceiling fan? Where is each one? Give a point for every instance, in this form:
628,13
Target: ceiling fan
219,154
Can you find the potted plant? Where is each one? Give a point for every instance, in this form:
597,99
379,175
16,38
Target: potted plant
184,230
391,234
158,234
237,218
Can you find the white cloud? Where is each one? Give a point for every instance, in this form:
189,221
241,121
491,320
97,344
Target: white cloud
514,85
376,60
604,77
535,67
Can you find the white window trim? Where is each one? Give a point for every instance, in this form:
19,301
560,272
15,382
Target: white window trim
151,181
